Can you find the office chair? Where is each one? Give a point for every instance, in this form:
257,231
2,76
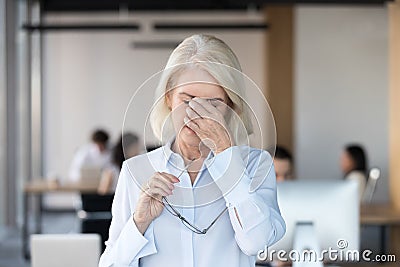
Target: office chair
95,214
370,188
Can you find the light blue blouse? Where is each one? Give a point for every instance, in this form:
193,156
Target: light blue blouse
240,177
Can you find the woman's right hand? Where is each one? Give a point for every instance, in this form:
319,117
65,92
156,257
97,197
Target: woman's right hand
150,203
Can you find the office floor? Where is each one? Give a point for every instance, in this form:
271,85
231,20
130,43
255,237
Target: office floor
10,246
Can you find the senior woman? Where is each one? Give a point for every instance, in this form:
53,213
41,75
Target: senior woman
194,201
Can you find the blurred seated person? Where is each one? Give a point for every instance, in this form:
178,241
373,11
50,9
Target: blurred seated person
283,164
353,163
130,144
93,155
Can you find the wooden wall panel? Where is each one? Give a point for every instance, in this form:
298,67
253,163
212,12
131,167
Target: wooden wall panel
279,67
394,102
394,118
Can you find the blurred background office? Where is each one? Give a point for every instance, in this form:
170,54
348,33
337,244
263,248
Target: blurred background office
329,70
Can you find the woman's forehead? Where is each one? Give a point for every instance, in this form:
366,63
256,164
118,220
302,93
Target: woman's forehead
200,89
195,82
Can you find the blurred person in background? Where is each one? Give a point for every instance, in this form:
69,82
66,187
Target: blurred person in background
95,154
128,143
353,163
283,164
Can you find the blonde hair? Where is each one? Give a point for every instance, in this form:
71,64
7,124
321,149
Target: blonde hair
217,59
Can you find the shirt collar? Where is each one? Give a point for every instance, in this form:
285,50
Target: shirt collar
171,156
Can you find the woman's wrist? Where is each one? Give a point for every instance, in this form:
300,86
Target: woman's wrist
140,224
223,148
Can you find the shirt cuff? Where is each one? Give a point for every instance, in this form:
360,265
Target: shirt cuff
132,245
228,169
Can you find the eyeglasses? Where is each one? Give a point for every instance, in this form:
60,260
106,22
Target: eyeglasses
185,222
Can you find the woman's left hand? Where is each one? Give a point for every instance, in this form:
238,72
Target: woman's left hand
208,122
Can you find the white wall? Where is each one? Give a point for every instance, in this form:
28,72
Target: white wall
341,92
89,77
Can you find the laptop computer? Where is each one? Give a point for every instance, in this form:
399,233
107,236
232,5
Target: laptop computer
65,250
